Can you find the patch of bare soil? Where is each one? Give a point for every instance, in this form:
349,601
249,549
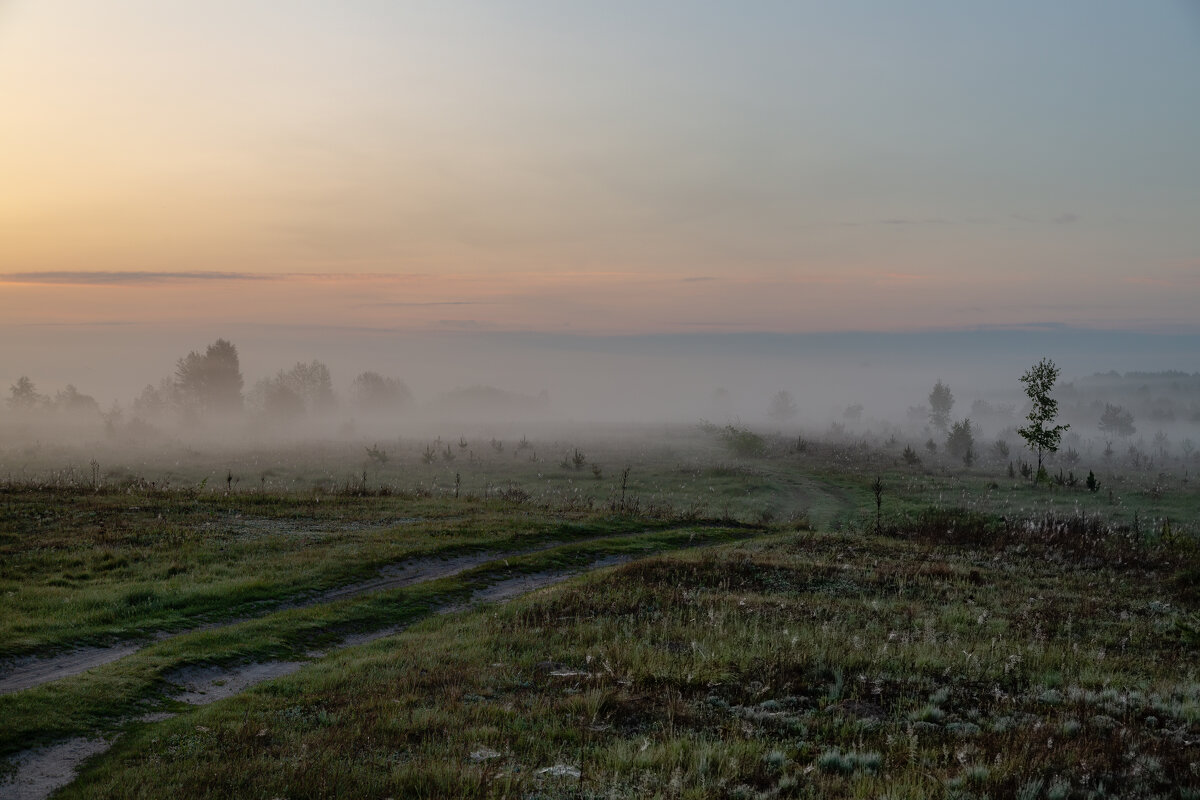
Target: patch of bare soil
30,671
208,684
39,772
517,585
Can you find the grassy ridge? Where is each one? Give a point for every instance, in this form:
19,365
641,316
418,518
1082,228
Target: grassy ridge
97,699
801,665
84,567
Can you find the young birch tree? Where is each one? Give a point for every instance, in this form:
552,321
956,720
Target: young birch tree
1041,435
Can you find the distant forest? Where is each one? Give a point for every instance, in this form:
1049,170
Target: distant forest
1154,397
209,386
207,389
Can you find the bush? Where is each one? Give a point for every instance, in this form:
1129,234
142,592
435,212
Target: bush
742,442
961,441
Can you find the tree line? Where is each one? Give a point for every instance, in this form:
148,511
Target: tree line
210,385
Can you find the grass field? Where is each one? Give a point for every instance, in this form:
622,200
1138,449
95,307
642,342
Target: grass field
768,631
797,665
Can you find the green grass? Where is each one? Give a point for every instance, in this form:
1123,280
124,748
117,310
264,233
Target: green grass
81,567
675,470
799,665
98,698
998,640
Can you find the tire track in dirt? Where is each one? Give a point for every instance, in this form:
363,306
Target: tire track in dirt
31,671
201,685
41,771
25,673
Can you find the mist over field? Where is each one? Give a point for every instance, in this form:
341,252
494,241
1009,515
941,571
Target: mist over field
521,383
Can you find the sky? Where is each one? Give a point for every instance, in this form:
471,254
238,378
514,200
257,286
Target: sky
644,167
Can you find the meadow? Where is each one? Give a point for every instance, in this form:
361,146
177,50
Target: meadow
671,612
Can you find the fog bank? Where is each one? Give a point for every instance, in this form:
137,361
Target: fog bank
609,378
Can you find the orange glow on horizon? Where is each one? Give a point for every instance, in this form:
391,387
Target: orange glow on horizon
591,302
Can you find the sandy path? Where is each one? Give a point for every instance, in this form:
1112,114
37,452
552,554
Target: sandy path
30,671
207,684
41,771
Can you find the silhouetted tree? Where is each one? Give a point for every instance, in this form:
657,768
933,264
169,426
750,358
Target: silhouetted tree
24,395
782,407
960,443
212,382
941,400
276,399
375,393
1040,434
71,400
1117,421
155,401
312,384
981,409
